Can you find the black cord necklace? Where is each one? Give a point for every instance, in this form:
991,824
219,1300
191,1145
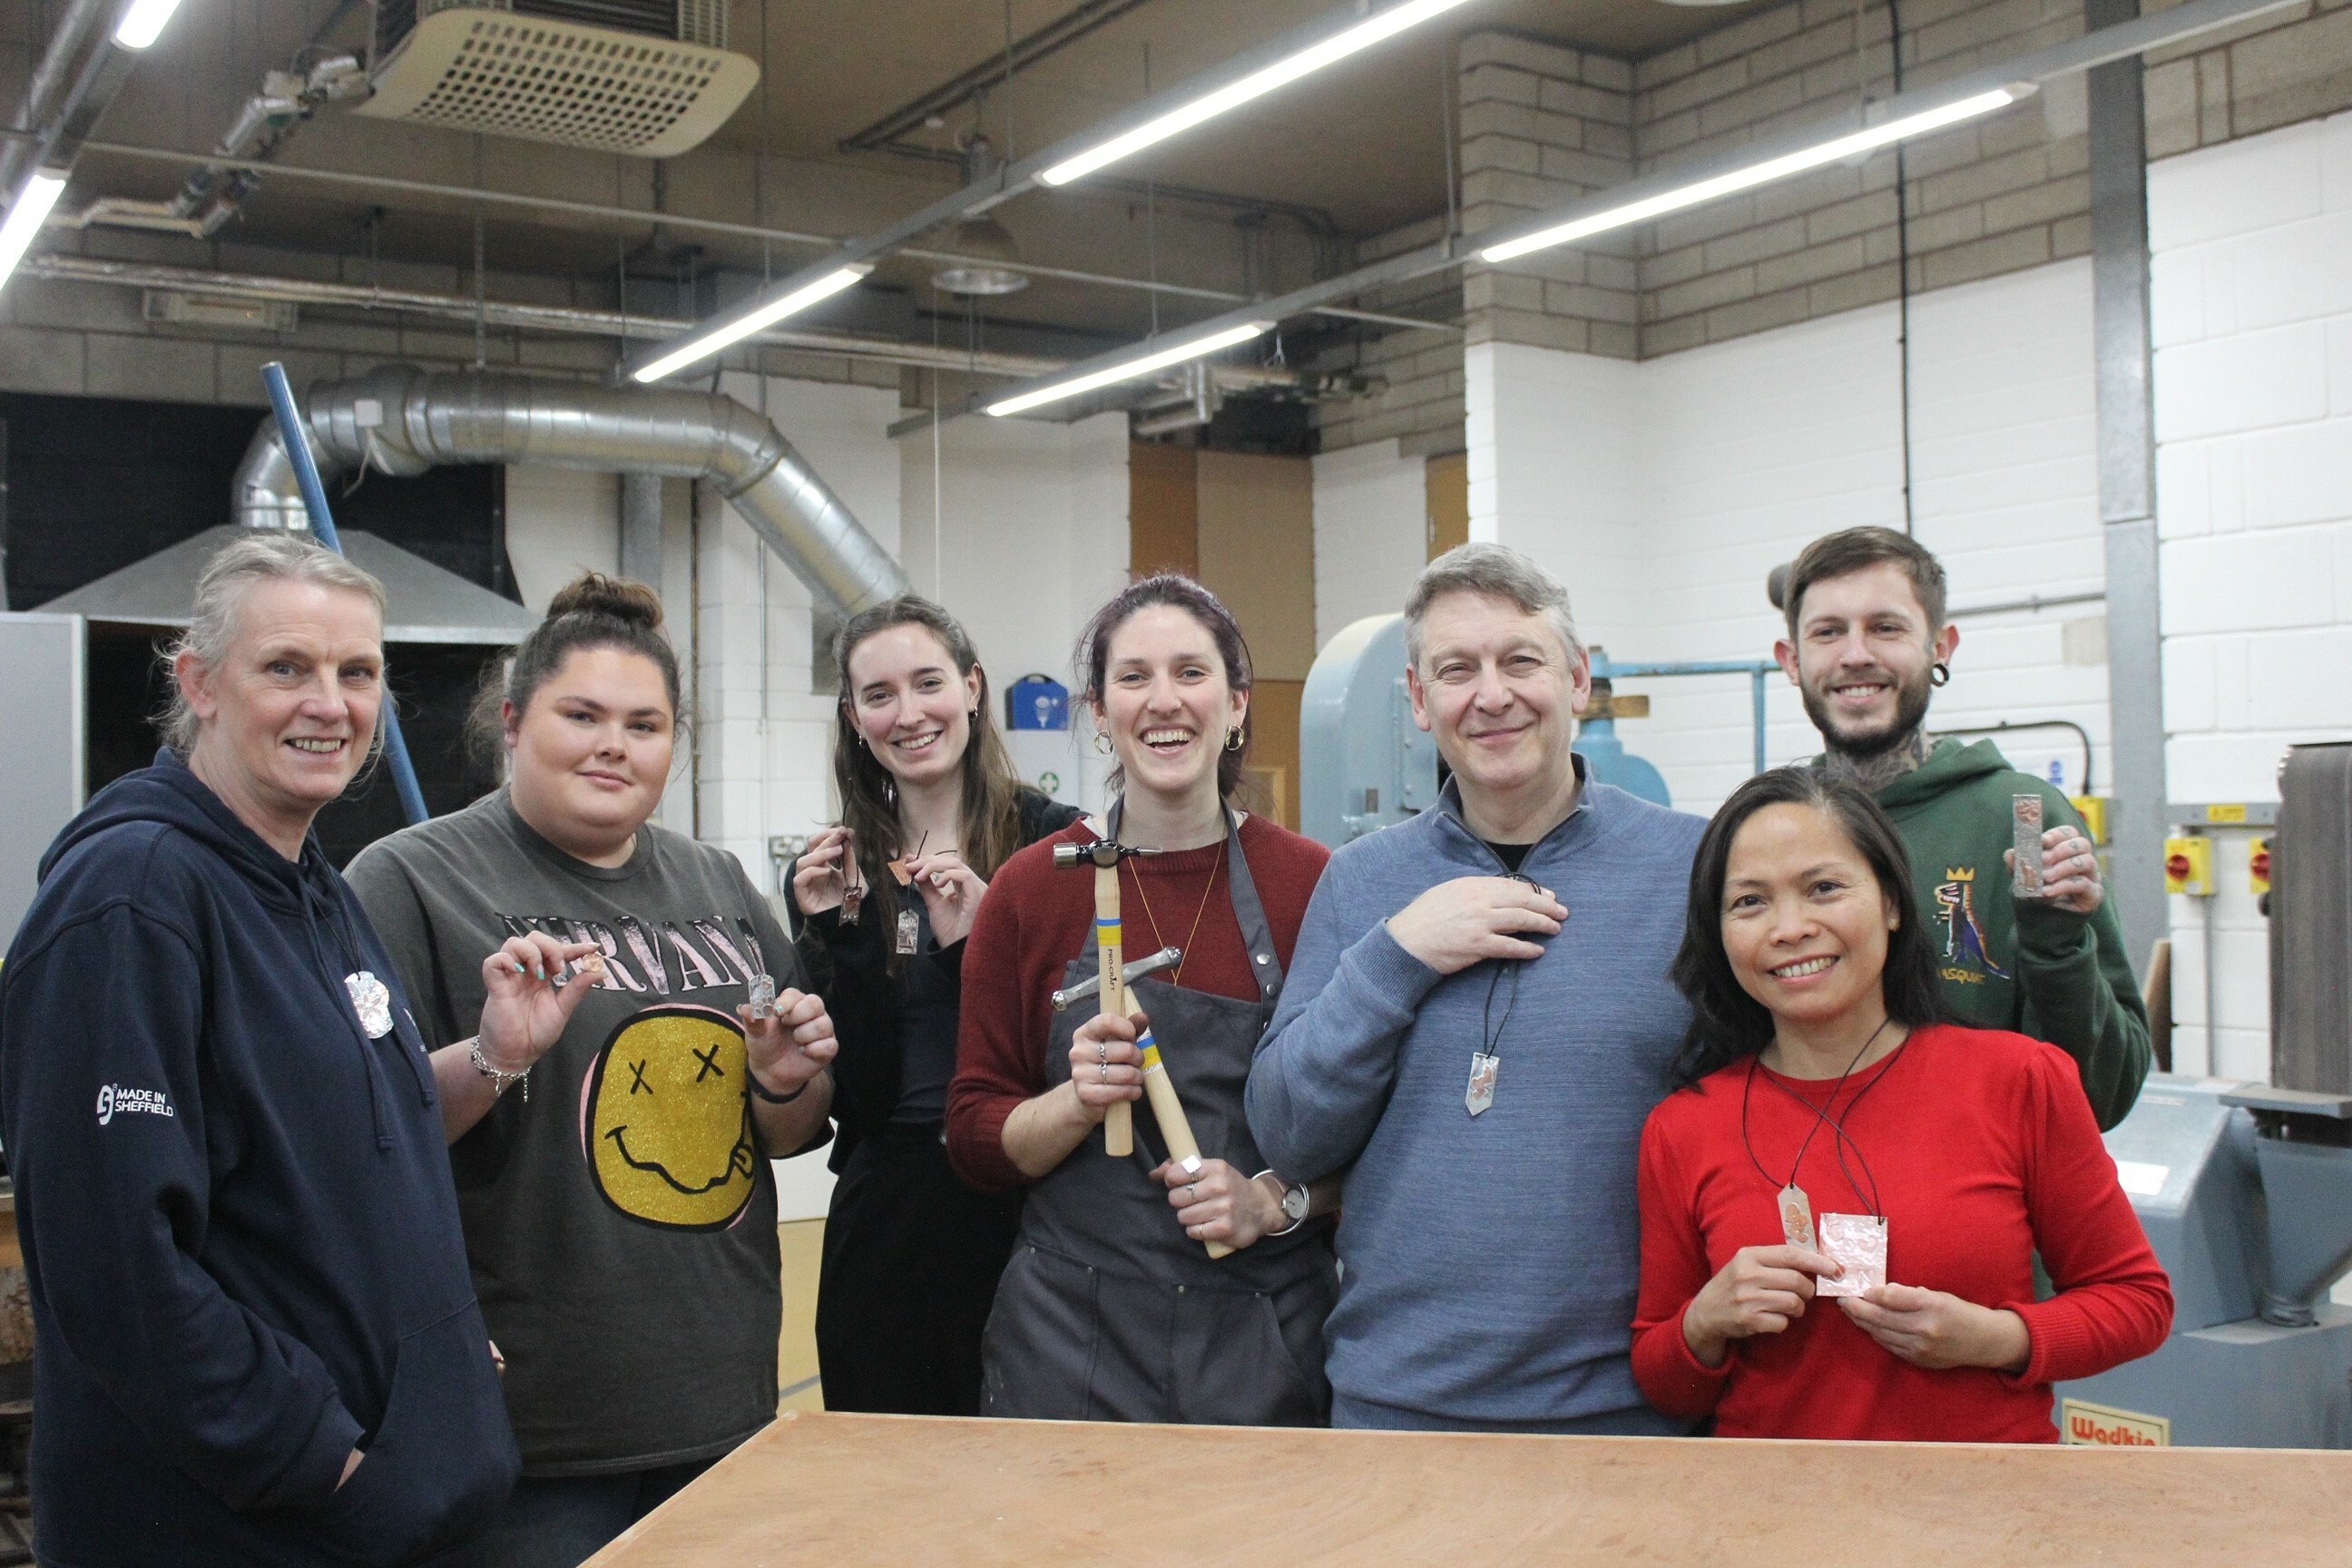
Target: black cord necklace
1822,1116
1487,1064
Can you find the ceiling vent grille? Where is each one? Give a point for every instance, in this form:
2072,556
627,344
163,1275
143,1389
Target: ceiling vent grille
542,71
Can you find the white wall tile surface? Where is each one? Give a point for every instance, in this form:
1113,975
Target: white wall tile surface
1371,533
1663,492
2251,301
1024,535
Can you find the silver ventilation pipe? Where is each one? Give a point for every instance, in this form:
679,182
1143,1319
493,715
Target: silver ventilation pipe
402,420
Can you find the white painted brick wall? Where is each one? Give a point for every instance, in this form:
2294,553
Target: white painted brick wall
766,738
1371,533
1553,472
2251,309
1033,538
1663,492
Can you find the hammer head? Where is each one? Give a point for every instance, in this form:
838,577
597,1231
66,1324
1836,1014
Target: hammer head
1101,852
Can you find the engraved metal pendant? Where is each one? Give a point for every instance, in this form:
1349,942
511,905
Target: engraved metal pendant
1483,1071
909,927
1796,1217
762,997
371,1002
1858,1242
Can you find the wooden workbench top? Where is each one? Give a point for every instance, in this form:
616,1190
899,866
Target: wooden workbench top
842,1491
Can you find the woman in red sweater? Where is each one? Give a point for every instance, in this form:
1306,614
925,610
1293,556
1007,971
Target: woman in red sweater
1831,1136
1112,1308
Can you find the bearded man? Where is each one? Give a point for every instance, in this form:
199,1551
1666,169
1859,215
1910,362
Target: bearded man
1867,640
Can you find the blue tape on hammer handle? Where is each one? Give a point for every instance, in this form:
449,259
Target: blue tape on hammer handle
322,524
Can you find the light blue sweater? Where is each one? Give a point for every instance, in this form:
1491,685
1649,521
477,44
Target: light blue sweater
1490,1263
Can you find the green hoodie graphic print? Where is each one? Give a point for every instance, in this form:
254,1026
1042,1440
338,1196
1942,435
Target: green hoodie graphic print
2008,963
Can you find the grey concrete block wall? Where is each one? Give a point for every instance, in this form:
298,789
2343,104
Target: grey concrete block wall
1543,124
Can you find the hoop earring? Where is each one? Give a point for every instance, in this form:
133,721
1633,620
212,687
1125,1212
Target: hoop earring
1102,743
1939,674
1234,740
975,718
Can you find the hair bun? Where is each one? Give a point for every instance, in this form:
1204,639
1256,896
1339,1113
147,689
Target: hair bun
594,593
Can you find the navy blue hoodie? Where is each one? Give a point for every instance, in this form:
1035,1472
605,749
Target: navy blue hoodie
237,1216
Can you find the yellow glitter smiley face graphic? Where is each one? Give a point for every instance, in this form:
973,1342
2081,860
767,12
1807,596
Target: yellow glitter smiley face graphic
666,1120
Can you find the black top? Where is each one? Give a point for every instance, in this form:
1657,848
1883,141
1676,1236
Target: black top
1511,855
896,1029
930,1008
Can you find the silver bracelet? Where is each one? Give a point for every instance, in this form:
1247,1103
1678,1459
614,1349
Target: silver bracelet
1295,1224
500,1081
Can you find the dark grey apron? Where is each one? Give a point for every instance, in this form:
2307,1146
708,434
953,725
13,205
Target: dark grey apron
1108,1312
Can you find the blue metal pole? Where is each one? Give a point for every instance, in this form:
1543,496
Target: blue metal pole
322,524
1755,681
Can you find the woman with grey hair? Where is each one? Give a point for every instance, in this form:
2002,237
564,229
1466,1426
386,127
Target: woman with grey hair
253,1313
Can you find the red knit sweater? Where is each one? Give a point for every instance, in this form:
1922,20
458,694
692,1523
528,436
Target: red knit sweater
1034,920
1984,1151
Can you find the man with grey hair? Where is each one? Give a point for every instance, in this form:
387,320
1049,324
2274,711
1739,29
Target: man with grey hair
1476,1025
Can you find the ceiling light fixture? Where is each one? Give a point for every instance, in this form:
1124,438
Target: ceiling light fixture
743,327
1351,39
25,215
1755,174
142,21
1129,369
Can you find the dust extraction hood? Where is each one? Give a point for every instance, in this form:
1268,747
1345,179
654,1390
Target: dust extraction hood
427,605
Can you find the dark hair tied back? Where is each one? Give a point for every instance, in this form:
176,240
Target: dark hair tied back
1727,1024
591,611
1177,592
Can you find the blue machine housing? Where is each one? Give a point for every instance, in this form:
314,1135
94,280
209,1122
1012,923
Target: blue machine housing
2251,1216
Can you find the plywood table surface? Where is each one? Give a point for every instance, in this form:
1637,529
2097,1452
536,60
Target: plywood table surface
844,1491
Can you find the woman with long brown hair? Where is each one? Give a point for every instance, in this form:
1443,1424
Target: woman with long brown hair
930,809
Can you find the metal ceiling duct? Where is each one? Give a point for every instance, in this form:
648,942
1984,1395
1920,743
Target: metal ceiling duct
402,420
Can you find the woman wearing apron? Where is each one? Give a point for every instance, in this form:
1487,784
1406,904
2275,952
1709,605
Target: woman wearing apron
1112,1308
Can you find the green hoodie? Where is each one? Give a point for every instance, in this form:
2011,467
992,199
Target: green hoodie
2016,965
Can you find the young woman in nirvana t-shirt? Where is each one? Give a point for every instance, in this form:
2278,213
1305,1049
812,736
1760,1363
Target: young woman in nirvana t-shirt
618,1205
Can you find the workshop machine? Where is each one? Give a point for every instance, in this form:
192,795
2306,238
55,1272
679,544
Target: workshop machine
2245,1189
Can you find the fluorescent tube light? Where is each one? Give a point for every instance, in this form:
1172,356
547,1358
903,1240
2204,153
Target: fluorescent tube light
142,21
1257,84
1159,359
25,215
766,316
1755,174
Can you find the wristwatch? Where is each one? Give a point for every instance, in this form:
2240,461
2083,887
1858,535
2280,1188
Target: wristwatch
1296,1203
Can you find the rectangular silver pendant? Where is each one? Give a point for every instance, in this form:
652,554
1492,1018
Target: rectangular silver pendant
908,930
850,900
1483,1071
2025,839
1796,1217
763,997
1858,1242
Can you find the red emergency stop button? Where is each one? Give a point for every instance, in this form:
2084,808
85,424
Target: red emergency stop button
2178,868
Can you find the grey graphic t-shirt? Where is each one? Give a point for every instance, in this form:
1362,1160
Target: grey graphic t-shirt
620,1221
